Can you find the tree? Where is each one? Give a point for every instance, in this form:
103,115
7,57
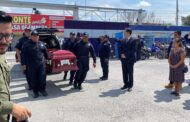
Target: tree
185,20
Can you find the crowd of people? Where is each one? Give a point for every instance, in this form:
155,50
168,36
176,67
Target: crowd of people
32,54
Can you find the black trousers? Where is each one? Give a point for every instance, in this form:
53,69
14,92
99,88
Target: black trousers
37,77
105,66
72,75
65,75
138,55
83,65
127,69
27,78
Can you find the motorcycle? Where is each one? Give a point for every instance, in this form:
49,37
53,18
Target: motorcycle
145,53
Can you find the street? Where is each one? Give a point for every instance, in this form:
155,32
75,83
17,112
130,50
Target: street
103,101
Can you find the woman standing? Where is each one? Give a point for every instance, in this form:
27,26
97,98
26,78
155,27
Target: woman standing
177,63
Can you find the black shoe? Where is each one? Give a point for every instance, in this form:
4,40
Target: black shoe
101,78
104,78
64,78
36,95
44,93
129,89
30,88
80,87
175,93
70,83
75,86
124,88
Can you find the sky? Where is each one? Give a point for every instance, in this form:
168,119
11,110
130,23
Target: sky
163,9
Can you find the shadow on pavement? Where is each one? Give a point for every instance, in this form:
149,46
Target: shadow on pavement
93,81
164,96
187,81
20,93
186,105
54,91
113,93
16,73
185,90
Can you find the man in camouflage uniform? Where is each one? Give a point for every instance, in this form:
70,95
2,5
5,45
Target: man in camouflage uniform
6,107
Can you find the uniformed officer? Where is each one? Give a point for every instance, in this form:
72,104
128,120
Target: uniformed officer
34,55
82,51
19,45
78,38
21,41
6,106
68,45
104,54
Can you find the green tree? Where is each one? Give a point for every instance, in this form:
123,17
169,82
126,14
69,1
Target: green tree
186,20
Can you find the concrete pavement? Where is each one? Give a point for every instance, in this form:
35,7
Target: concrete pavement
103,101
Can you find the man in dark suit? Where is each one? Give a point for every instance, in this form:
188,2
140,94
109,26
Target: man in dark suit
128,59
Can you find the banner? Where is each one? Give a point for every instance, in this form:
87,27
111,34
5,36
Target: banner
21,21
33,21
40,21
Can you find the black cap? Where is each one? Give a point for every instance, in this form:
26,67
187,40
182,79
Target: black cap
178,32
85,34
34,32
27,29
78,34
72,33
106,36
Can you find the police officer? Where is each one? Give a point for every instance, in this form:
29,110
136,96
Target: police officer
104,54
34,55
78,38
68,45
6,106
21,41
82,51
139,47
19,45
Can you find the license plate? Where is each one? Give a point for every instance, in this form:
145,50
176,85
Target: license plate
64,62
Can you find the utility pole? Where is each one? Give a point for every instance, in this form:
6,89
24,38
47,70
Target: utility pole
85,9
139,18
177,12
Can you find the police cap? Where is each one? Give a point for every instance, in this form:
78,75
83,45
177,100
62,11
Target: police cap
79,34
34,32
85,34
106,36
72,33
27,29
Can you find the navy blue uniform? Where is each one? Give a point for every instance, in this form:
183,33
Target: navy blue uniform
128,48
21,42
19,46
69,45
34,55
82,51
139,46
104,54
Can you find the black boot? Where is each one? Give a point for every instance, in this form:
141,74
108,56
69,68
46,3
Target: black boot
36,95
44,93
